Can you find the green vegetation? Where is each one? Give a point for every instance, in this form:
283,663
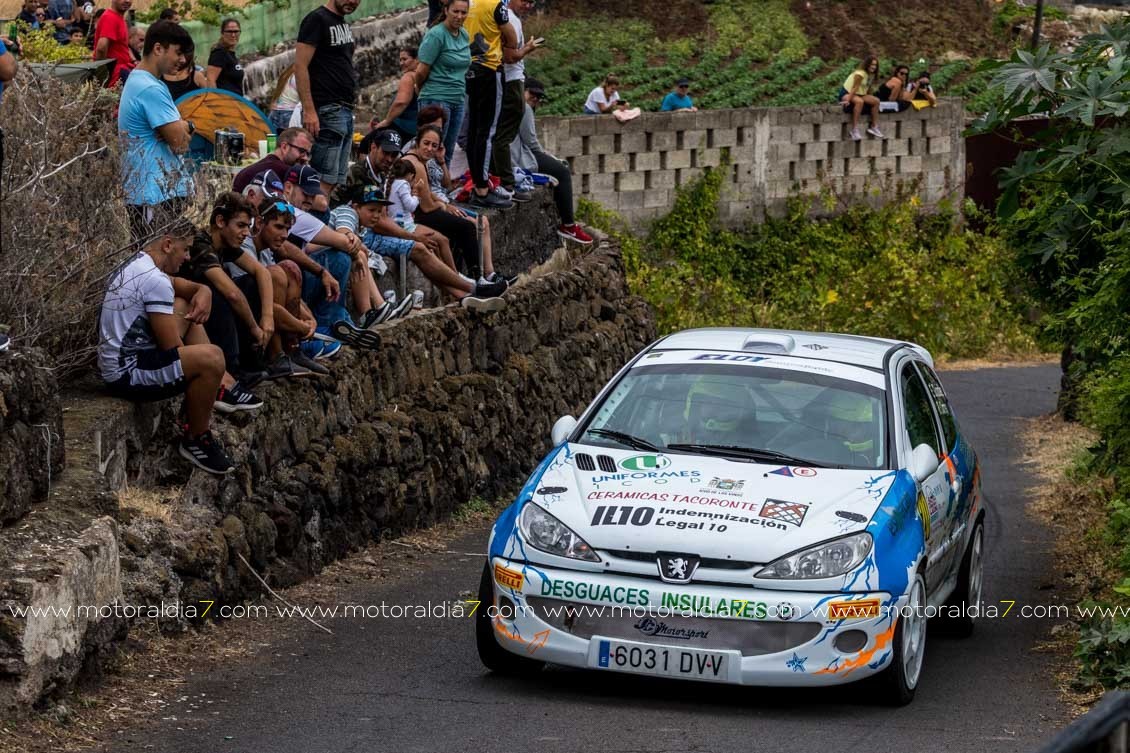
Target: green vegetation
897,271
1066,204
39,46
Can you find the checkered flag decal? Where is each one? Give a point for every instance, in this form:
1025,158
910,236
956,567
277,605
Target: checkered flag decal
786,512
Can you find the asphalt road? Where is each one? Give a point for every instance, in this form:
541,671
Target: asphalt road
417,685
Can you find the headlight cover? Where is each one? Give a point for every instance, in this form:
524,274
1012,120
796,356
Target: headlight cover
827,560
550,535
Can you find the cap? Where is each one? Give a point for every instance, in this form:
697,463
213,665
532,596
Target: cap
306,178
370,194
391,142
269,182
533,86
683,82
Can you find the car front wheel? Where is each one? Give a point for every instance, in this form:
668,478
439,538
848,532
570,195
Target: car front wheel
900,679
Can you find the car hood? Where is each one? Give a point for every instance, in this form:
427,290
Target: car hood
709,506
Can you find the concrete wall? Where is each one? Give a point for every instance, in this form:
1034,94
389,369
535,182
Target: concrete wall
635,167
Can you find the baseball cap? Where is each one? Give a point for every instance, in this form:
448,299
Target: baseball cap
683,82
369,194
533,86
306,178
390,142
269,183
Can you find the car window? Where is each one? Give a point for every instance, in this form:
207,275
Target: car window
941,405
810,416
919,411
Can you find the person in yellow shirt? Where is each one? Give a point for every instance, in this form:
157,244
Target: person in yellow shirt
488,25
856,97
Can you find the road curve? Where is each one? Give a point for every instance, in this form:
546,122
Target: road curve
417,685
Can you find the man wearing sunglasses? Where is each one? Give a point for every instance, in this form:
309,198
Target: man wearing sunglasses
294,145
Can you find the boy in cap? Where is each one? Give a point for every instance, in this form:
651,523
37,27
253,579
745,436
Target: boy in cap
679,99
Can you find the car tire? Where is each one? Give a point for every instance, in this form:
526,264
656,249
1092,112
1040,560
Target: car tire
970,579
900,679
493,656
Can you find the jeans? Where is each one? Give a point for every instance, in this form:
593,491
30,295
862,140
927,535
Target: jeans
452,122
280,119
334,143
314,292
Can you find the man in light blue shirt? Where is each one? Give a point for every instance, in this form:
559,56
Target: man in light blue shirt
157,180
678,99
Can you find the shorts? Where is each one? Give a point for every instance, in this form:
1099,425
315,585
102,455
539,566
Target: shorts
154,375
386,245
334,144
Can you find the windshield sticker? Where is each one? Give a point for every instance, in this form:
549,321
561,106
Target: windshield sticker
791,472
786,512
726,357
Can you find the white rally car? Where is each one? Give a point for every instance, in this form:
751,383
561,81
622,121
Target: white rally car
743,506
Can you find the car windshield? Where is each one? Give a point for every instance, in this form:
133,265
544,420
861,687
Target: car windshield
743,412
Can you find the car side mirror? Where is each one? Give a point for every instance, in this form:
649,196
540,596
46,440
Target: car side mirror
923,462
562,429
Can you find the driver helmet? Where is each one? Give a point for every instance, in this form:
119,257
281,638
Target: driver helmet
714,409
851,420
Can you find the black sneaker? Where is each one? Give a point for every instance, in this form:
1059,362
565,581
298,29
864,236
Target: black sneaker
301,359
496,277
402,309
205,453
249,378
350,334
373,317
236,398
284,367
490,201
487,288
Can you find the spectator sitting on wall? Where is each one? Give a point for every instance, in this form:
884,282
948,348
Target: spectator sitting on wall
605,98
111,39
448,219
152,345
292,148
402,112
61,15
224,69
855,96
679,99
187,78
156,179
894,89
921,91
242,321
529,155
380,149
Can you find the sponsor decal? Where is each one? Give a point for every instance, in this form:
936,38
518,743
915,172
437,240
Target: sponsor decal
676,568
924,515
639,496
507,577
727,357
853,610
815,346
714,607
645,463
791,472
786,512
674,517
552,490
854,517
731,487
571,589
660,629
787,611
621,515
658,477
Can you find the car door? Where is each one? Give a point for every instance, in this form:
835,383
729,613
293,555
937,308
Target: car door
921,426
957,502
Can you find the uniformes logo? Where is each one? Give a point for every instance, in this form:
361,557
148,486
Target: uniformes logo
645,463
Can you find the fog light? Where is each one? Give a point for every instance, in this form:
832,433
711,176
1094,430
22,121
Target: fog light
506,608
850,641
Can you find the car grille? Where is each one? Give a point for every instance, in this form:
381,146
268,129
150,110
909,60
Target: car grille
750,637
713,563
584,462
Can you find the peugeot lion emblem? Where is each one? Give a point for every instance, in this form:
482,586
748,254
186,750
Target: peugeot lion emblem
676,568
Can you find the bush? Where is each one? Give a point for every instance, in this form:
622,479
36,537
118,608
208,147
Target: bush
894,272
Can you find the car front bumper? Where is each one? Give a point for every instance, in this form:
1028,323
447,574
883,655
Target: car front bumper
768,637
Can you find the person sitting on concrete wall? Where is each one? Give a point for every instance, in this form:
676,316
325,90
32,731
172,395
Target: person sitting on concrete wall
293,148
679,100
242,320
855,96
368,214
529,155
921,91
605,98
892,93
380,149
402,112
152,345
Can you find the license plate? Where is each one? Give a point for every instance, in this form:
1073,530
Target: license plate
666,661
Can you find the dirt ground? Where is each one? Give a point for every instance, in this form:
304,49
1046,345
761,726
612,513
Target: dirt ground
905,31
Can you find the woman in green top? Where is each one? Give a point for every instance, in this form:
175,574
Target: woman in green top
441,75
855,96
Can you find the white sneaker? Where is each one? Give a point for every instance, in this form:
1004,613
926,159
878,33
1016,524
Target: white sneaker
874,131
500,191
855,135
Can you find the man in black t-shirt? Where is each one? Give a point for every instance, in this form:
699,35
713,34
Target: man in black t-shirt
327,85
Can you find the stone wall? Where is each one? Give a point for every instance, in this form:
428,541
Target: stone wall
453,405
636,167
31,430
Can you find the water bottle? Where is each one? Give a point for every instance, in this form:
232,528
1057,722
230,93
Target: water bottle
390,295
417,299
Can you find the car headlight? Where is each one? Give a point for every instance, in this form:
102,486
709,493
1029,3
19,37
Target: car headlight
550,535
825,560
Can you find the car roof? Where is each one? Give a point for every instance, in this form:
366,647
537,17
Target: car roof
857,350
